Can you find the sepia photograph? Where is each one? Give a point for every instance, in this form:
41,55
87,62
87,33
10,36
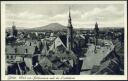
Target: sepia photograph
64,38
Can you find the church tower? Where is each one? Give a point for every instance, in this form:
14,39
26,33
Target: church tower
69,33
96,31
14,30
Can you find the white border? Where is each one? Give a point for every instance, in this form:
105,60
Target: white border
60,77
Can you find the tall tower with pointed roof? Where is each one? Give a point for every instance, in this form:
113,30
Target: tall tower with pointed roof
96,31
69,33
13,26
14,30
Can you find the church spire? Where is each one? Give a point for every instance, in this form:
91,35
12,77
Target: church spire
13,24
69,20
14,30
96,31
96,25
69,33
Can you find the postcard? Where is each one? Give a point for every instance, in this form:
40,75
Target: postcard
64,40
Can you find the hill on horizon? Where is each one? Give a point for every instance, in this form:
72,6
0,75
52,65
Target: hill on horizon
52,26
59,27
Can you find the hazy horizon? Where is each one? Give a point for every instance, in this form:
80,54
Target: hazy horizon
65,26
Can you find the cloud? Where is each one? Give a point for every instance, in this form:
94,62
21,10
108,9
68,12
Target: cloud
26,16
82,15
103,14
107,16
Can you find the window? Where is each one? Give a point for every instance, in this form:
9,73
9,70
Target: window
11,56
7,57
15,50
30,43
26,50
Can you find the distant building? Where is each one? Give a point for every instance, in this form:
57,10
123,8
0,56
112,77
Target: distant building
96,32
14,30
11,38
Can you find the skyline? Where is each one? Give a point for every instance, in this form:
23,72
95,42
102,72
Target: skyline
83,15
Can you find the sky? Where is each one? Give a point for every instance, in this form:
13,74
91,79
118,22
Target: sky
83,15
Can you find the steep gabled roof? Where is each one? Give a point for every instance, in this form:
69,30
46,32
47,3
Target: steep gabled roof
63,39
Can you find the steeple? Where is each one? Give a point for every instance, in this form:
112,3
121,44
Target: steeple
96,25
14,30
69,33
13,26
96,28
69,20
96,31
